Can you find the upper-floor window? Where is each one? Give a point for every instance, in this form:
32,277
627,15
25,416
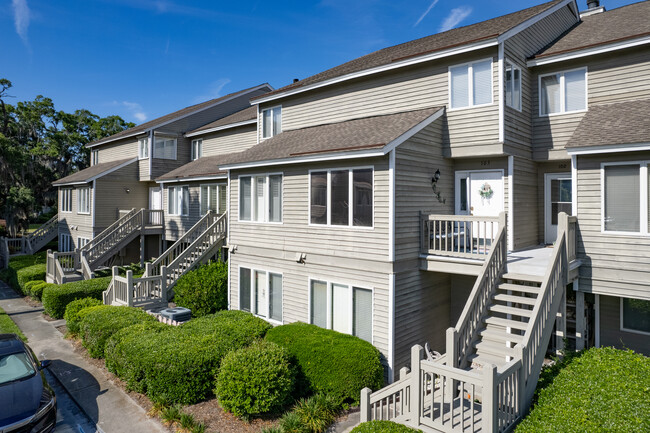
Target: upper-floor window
271,122
513,86
143,148
341,197
94,157
66,200
260,292
178,200
164,148
470,84
563,92
260,198
213,198
83,200
626,197
197,149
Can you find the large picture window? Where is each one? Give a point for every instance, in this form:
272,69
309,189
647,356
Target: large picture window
341,197
341,307
164,148
563,92
66,200
260,198
213,198
83,200
260,293
635,315
470,84
178,200
625,191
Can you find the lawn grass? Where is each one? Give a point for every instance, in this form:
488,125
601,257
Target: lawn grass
7,326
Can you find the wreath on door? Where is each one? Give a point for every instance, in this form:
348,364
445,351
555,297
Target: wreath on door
486,191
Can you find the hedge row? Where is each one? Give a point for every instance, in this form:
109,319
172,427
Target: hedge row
23,269
204,290
72,314
35,288
57,297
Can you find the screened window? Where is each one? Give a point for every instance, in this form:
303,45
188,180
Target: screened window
271,122
513,86
635,315
143,148
260,198
471,84
94,157
260,293
213,198
622,209
83,200
341,197
164,148
178,200
563,92
343,308
66,200
197,149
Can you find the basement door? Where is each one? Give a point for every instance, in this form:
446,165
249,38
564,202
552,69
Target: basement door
557,198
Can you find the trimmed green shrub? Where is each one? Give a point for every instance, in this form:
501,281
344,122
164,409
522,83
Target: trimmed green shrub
29,273
204,290
10,275
57,297
72,317
383,427
331,363
99,323
29,284
255,380
602,390
312,415
37,289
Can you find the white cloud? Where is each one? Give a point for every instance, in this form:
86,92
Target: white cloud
433,3
455,17
22,16
134,109
214,90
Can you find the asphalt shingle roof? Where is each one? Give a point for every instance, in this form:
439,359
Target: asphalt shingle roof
201,167
611,124
249,113
91,172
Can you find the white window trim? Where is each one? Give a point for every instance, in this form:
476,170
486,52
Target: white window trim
624,329
199,142
350,196
267,198
514,66
470,70
146,142
180,206
217,185
64,192
162,137
79,239
65,242
562,92
351,287
94,156
79,190
254,269
643,202
261,120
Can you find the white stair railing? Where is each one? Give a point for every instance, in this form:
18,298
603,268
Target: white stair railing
42,235
108,240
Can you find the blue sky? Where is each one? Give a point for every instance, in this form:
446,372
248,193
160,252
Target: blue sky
145,58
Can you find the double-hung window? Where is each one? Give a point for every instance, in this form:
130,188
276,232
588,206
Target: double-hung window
563,92
66,200
626,197
178,200
341,307
341,197
83,200
213,198
513,86
164,148
260,293
470,84
143,148
635,315
271,122
197,149
260,198
94,157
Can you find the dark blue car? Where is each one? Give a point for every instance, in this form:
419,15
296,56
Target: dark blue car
27,403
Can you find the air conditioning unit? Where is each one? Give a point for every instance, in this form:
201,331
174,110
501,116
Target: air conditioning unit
179,314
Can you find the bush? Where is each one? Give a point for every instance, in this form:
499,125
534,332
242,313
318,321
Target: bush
331,363
311,415
30,284
99,323
382,427
603,390
29,273
179,364
204,290
255,380
72,317
57,297
37,289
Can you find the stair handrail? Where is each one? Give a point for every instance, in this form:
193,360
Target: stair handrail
131,224
86,270
460,338
108,230
41,232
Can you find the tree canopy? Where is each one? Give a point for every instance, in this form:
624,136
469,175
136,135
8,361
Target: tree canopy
39,145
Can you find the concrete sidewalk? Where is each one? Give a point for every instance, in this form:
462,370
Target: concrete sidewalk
104,403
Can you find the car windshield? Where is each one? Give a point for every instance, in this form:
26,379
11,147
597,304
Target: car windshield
15,366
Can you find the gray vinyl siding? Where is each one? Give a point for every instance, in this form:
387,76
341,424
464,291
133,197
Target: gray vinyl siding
229,141
613,77
525,204
542,169
143,170
616,265
73,223
467,130
112,196
183,154
118,150
487,163
611,333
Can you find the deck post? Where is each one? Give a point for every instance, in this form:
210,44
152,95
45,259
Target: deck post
416,383
580,316
490,407
364,412
452,360
129,288
142,249
163,283
503,222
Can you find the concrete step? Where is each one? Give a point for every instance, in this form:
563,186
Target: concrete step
494,349
518,288
515,324
499,335
510,310
523,277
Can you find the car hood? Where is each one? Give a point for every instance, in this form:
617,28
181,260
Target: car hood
20,400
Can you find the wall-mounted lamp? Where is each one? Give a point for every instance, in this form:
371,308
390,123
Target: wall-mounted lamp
301,257
434,187
435,178
127,190
232,249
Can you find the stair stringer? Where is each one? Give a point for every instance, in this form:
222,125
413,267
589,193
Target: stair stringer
114,250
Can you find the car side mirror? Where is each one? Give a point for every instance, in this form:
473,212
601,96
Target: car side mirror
46,363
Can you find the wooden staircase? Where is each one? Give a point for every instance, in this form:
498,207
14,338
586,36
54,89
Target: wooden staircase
30,243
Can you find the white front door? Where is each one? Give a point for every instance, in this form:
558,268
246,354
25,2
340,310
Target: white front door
480,193
557,198
155,203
